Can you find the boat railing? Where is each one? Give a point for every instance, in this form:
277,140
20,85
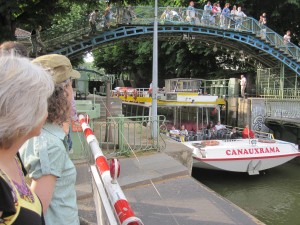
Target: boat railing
143,92
223,134
263,135
139,92
257,134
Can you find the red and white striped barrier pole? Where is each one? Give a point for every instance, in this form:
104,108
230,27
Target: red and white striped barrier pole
123,210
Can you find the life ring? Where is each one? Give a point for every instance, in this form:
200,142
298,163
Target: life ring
209,143
125,94
266,141
135,94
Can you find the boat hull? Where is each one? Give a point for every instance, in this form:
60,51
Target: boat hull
244,155
242,165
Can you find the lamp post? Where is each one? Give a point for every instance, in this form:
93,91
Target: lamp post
154,75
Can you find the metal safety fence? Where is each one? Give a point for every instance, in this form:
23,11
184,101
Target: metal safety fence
126,135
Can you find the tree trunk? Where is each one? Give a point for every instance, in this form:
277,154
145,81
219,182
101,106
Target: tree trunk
7,27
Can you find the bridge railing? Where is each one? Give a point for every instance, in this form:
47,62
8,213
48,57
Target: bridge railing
144,16
287,93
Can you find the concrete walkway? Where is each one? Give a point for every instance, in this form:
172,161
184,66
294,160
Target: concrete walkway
162,192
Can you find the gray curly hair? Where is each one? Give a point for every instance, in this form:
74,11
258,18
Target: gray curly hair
24,90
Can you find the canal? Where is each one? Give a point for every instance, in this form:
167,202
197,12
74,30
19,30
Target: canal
273,197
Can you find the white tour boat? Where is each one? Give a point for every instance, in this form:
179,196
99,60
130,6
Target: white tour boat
242,155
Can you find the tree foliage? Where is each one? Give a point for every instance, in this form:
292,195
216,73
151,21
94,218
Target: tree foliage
27,14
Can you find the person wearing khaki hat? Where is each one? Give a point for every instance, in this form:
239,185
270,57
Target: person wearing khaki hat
46,157
61,70
59,65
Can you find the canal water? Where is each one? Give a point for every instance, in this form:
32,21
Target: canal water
273,197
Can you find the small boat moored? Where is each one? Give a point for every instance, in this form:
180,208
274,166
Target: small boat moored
242,155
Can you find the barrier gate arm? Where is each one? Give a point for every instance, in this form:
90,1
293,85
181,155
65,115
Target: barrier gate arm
122,208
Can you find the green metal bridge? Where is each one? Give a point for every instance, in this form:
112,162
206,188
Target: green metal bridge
243,35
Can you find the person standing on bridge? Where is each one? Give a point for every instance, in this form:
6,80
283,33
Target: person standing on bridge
36,41
239,18
107,17
287,38
128,15
191,13
243,83
225,16
206,13
262,24
92,21
233,14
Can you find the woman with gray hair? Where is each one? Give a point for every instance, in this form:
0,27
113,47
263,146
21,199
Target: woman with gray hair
46,157
24,90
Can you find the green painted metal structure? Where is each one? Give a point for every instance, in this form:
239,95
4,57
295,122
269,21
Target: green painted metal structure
258,42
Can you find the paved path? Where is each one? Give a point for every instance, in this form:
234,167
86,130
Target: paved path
161,191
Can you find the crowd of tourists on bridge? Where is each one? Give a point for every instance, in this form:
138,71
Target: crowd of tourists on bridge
212,14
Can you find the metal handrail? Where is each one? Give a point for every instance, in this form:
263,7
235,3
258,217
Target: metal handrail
282,93
144,15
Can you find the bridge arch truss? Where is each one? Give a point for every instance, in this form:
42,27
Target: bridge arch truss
122,32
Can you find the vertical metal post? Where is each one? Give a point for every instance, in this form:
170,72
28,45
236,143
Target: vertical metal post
219,113
108,133
175,115
296,84
207,115
202,119
121,132
197,120
180,123
281,79
154,75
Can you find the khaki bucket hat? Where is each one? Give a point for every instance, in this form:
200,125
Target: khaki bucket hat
60,67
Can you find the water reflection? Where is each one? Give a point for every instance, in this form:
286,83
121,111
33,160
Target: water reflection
273,197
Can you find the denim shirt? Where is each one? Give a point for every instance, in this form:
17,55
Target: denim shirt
47,154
